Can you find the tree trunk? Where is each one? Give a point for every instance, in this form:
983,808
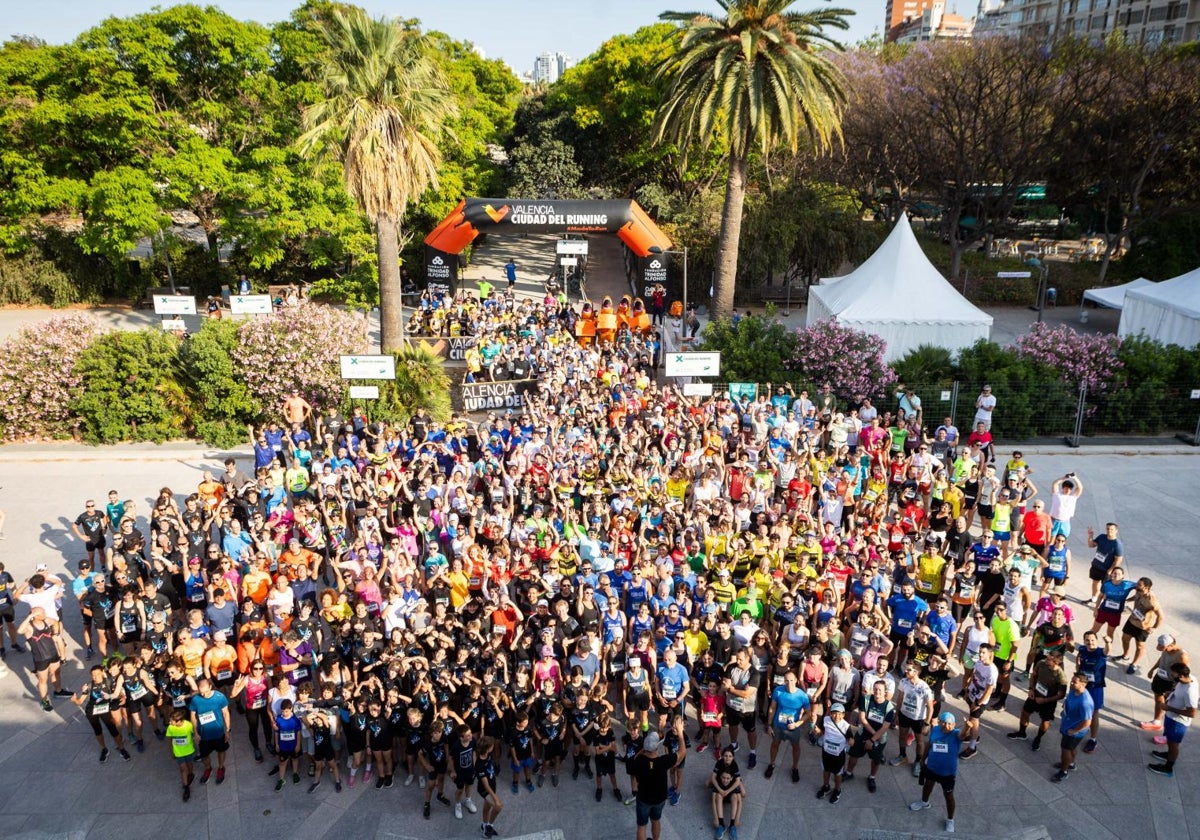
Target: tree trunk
387,249
956,254
727,246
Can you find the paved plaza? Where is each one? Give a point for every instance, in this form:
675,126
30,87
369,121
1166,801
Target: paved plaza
52,786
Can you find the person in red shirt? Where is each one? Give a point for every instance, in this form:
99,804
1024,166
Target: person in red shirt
1035,526
982,438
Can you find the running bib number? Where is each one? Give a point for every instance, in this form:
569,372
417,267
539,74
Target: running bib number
1088,675
904,624
939,748
912,705
875,717
287,736
833,749
785,720
224,674
1137,614
101,708
207,718
301,673
1041,690
741,704
138,693
180,742
1162,674
259,702
617,667
196,597
670,692
709,717
1112,605
1100,559
179,702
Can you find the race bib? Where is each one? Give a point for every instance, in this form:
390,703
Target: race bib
139,693
287,736
911,706
1112,605
618,667
924,585
179,702
196,597
784,720
259,702
1137,614
1162,673
939,748
180,742
709,717
301,673
207,718
101,708
1087,675
833,749
875,717
224,674
1100,559
670,692
1041,689
904,624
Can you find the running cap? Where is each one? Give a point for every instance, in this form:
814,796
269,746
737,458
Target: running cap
947,717
1166,639
837,707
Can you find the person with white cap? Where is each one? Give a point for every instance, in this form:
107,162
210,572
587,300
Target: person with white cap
941,766
1161,680
834,733
1180,709
651,769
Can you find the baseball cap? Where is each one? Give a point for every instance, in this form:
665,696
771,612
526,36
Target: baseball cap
1166,639
947,717
837,707
542,602
652,743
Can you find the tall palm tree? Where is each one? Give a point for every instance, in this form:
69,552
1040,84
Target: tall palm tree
385,106
756,78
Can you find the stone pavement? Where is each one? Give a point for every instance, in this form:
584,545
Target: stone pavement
52,786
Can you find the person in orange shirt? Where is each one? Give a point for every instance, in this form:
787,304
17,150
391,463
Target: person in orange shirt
295,555
211,492
256,585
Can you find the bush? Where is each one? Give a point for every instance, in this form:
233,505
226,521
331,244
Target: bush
131,389
223,404
421,382
925,363
1152,392
756,349
1082,360
1031,399
850,360
299,348
39,378
31,280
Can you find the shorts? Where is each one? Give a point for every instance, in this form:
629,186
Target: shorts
323,751
665,710
1173,730
947,782
1112,619
986,511
1161,687
97,720
523,764
832,763
1002,536
638,702
1060,526
1057,577
647,812
743,719
859,748
1070,743
1097,574
87,619
483,791
977,712
7,614
903,721
95,545
40,665
1043,710
1097,693
186,759
554,749
1136,632
208,746
606,765
791,736
464,779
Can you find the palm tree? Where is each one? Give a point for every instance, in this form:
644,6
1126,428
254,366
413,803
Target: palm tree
757,79
385,106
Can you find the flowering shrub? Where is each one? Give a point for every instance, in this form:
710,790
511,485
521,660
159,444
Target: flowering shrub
298,348
1089,360
850,360
39,380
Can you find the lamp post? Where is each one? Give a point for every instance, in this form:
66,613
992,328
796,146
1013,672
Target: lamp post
1034,262
654,249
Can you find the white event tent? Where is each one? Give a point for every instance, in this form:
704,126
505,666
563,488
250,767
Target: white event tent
1113,297
899,296
1167,312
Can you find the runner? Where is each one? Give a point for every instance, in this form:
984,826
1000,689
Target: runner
941,766
1180,709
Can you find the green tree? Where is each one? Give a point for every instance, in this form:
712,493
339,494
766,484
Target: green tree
755,349
421,382
223,402
757,77
384,109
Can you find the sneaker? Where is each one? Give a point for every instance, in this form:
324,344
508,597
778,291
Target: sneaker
753,760
421,782
139,745
968,753
441,797
834,797
769,772
1117,657
387,782
1159,754
312,770
554,780
1037,743
998,706
258,756
337,786
871,784
629,800
795,775
425,810
1160,739
673,796
187,793
1090,746
916,771
1134,669
408,780
515,788
351,780
529,786
847,776
469,804
458,810
220,775
701,747
207,774
733,832
62,692
367,775
719,833
1151,725
734,747
1059,776
278,784
379,783
1162,770
1058,765
160,734
821,791
492,832
541,779
1017,736
125,754
104,755
617,795
918,805
46,705
575,773
1021,676
295,778
599,794
949,826
313,786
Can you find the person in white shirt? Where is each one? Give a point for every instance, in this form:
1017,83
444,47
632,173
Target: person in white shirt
1180,712
985,404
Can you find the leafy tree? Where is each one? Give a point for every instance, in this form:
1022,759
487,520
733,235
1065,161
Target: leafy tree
755,349
546,169
223,402
757,77
384,108
121,208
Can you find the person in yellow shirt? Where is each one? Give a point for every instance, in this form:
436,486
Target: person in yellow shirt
931,573
695,640
723,588
182,737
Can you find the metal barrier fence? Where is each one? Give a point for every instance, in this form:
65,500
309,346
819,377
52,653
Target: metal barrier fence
1029,410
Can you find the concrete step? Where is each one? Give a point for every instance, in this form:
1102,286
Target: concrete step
1033,833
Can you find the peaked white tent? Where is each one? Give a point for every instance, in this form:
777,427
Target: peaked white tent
899,296
1167,312
1113,297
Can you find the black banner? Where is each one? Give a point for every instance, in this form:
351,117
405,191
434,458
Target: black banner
520,215
652,271
441,270
491,396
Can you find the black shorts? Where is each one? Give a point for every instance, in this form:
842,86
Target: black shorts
323,751
1161,687
859,748
977,712
106,720
947,782
464,779
986,511
7,614
40,665
832,763
87,619
743,719
1072,742
208,746
97,544
638,702
905,722
1136,632
1043,709
554,749
606,765
1097,574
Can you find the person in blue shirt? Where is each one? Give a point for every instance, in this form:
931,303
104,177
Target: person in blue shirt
1078,709
941,765
1114,592
788,713
941,622
906,610
672,690
210,717
1091,660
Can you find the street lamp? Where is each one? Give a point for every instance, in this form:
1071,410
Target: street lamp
654,249
1034,262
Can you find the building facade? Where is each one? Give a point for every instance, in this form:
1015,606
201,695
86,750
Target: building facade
1152,22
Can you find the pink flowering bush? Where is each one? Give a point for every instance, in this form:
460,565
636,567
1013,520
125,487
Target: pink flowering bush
850,360
39,380
1089,360
298,348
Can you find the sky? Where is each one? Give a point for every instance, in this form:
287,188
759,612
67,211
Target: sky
515,31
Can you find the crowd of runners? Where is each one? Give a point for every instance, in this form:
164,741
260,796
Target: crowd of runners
610,574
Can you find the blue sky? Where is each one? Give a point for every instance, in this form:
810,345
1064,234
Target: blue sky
514,30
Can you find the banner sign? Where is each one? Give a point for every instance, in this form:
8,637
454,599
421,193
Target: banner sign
579,247
250,304
1014,275
693,364
364,392
174,305
174,325
489,396
502,215
652,271
743,391
698,389
368,367
441,270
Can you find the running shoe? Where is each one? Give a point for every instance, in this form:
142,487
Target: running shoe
314,786
1161,769
834,797
769,772
104,755
919,805
1090,746
1151,725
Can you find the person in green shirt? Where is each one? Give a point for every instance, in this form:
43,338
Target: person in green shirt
1007,631
181,735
